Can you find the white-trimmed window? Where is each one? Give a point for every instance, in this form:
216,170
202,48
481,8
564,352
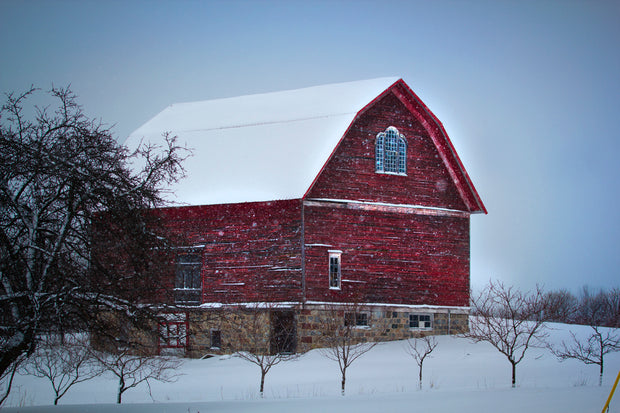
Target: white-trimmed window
334,269
356,319
391,152
421,321
188,277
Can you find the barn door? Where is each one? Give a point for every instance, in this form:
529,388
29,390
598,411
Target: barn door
283,332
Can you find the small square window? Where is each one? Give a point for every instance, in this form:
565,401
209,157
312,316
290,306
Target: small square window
421,321
356,319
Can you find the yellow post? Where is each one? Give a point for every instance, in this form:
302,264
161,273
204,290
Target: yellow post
611,393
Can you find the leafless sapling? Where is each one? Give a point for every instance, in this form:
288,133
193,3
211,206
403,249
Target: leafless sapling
64,361
510,320
267,337
133,368
596,311
591,349
420,348
343,326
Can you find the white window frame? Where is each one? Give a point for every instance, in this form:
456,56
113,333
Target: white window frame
425,325
334,255
398,160
355,317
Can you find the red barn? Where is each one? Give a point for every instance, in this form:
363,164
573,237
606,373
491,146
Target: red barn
323,196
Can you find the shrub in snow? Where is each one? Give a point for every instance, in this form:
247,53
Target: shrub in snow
65,360
132,369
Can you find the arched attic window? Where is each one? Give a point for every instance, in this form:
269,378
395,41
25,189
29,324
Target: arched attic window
391,152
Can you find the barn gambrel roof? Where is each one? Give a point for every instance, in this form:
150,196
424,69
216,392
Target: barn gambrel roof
272,146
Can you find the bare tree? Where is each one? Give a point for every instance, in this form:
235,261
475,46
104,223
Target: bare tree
343,326
133,368
591,350
420,348
595,310
561,306
599,309
508,319
64,361
63,178
614,307
267,338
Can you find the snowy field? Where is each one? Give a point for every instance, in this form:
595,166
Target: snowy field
460,376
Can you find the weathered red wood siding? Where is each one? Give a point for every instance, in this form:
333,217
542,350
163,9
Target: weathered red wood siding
412,257
251,250
350,173
387,257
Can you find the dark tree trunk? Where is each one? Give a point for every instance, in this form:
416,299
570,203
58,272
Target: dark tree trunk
421,374
263,373
121,389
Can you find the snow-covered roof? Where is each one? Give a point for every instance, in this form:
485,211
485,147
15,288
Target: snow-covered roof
260,147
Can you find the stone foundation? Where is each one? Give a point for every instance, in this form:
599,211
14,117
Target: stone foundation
225,331
383,324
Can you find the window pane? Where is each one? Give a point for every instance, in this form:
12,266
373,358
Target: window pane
402,156
334,271
173,334
391,152
361,319
424,321
188,278
379,153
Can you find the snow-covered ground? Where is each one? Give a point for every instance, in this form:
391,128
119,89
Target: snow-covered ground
460,376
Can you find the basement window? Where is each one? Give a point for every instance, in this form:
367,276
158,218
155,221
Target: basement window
421,321
391,152
216,339
334,269
356,319
173,331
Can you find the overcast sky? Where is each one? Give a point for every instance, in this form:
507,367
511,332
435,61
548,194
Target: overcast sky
528,92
